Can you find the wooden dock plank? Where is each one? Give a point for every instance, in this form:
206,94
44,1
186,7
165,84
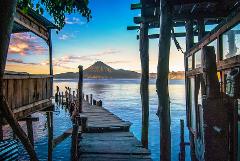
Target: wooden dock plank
108,138
102,120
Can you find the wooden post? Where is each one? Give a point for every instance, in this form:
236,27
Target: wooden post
182,143
73,95
201,29
74,147
94,102
62,97
162,80
84,123
100,103
215,113
50,134
80,87
87,98
30,130
189,45
91,99
50,60
144,91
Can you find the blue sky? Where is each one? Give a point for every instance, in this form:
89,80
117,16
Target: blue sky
104,38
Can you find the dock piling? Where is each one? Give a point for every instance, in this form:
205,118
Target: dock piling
91,99
182,142
30,130
80,87
94,102
87,98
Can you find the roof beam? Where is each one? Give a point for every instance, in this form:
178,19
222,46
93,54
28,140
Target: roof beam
27,22
181,34
184,16
136,6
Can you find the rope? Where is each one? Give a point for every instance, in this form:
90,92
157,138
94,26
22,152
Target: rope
179,48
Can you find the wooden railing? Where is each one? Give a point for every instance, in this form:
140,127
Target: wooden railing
26,93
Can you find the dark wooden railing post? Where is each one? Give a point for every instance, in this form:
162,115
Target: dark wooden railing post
30,130
182,142
162,80
50,134
80,87
91,99
94,102
87,98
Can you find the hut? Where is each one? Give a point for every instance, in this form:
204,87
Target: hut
23,93
27,93
212,72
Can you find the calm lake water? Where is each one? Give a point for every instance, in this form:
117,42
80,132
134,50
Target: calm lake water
120,96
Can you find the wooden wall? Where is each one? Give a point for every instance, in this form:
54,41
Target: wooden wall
26,93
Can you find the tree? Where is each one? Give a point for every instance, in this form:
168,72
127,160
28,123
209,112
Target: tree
57,9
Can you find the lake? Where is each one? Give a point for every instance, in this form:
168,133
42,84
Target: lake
122,97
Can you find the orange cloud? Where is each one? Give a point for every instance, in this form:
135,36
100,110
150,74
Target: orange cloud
26,44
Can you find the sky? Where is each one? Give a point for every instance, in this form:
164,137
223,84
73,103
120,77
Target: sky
105,38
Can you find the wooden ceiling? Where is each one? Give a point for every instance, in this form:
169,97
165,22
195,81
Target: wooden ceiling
212,11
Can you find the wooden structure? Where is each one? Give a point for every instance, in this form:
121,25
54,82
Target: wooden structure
212,72
107,137
27,93
23,94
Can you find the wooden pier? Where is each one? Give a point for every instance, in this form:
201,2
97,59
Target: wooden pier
107,137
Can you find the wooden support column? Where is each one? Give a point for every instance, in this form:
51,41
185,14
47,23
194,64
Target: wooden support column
162,80
215,113
91,99
144,91
50,60
144,86
30,130
182,143
80,87
50,134
201,29
189,45
7,11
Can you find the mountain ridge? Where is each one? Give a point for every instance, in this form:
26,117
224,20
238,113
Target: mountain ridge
100,70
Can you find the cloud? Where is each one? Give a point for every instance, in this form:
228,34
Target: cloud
63,37
26,44
74,20
20,61
117,62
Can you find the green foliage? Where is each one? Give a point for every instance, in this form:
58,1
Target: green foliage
57,8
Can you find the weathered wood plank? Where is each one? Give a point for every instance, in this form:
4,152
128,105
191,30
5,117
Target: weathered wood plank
108,138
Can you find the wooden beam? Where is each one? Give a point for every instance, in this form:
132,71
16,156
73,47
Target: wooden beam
26,21
62,137
201,29
144,91
136,6
50,134
30,130
189,45
185,16
80,88
33,119
156,36
162,80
